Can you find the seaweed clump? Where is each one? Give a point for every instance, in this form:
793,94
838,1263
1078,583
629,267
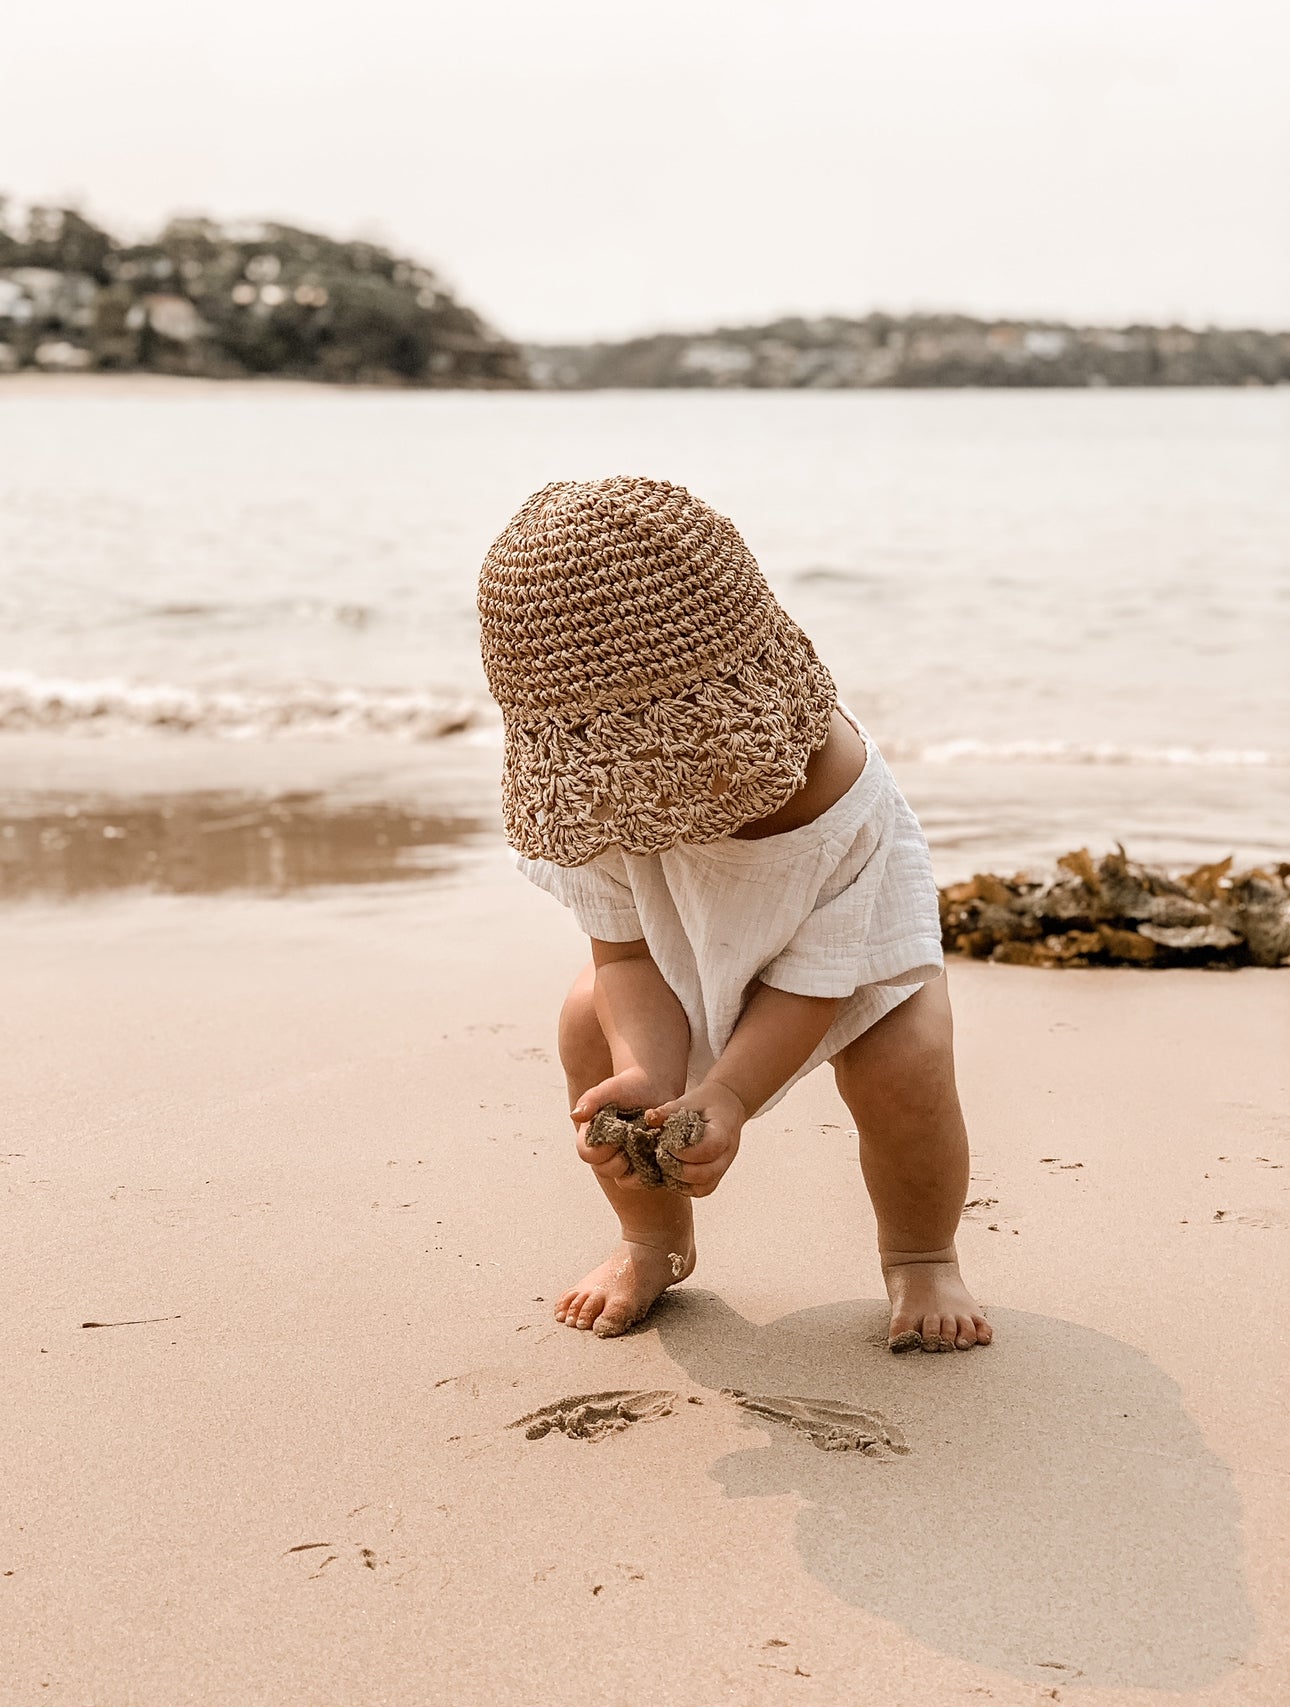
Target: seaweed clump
1116,912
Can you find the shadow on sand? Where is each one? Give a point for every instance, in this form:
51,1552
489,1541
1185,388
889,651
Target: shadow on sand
1058,1517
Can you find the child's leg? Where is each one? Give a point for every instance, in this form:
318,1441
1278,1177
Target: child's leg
657,1226
898,1081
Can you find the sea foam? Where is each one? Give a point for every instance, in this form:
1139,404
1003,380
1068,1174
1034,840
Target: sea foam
964,750
115,706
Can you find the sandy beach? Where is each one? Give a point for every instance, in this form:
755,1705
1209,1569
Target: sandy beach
305,1161
292,1191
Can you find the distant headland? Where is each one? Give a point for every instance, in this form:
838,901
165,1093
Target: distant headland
228,301
887,351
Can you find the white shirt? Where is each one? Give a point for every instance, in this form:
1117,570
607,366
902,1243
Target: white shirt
844,906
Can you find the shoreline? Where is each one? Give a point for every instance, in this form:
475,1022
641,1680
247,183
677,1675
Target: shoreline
27,383
978,816
32,382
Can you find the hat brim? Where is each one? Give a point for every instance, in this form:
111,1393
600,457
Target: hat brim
690,767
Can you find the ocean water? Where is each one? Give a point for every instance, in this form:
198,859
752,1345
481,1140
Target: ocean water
1073,581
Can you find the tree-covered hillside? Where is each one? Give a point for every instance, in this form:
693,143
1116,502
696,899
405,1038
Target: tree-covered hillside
225,301
884,350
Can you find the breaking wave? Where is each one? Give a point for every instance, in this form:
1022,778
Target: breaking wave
114,706
117,706
968,751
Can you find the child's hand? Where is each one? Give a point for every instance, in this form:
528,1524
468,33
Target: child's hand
631,1089
703,1165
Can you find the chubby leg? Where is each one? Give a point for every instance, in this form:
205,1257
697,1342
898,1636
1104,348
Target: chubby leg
898,1081
657,1247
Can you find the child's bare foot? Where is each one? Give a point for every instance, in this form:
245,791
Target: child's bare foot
621,1292
931,1308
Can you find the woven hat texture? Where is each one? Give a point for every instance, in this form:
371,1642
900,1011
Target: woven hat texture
652,688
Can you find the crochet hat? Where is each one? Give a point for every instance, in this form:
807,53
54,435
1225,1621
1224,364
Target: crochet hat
653,690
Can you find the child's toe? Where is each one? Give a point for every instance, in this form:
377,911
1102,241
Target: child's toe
984,1332
592,1305
931,1332
965,1333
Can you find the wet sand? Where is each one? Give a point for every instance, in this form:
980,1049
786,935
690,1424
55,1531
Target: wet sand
207,843
203,816
306,1164
978,816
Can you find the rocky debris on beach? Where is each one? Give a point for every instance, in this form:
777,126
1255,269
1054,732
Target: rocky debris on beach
1117,912
652,1152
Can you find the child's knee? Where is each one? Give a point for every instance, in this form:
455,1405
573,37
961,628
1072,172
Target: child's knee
905,1065
924,1047
583,1050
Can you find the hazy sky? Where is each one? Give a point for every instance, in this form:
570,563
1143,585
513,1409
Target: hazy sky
584,167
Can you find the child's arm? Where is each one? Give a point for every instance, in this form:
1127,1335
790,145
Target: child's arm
776,1033
649,1043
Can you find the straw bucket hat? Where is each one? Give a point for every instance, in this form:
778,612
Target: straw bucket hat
653,690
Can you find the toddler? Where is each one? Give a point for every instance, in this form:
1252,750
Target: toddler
758,894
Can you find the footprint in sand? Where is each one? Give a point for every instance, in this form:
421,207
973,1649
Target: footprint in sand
591,1416
831,1427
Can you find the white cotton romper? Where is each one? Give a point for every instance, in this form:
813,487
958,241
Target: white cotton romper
844,906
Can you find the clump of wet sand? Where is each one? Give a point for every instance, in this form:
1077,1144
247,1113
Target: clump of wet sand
653,1152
